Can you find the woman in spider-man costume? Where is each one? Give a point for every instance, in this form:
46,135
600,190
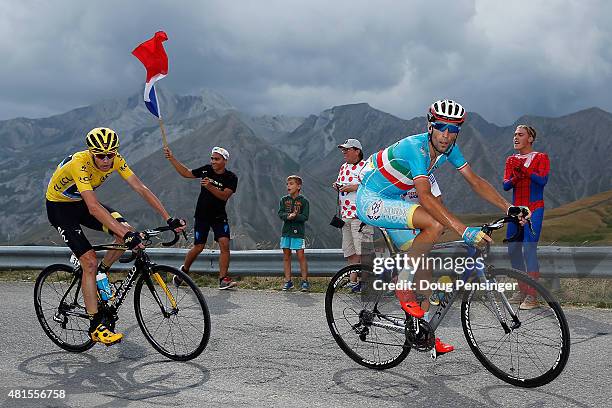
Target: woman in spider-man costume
526,173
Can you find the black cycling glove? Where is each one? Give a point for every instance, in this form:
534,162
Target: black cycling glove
132,239
515,210
175,223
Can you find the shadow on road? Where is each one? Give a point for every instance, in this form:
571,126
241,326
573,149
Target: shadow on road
220,303
300,299
438,386
122,380
585,329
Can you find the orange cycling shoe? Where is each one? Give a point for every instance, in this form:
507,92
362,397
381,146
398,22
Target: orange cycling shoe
443,348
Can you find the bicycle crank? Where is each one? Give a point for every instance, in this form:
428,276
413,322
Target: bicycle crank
420,335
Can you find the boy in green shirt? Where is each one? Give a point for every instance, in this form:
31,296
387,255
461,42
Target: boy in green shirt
293,210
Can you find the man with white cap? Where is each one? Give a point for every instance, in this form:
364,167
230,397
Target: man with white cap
218,185
353,232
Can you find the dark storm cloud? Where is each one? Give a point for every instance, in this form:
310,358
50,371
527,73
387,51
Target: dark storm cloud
298,57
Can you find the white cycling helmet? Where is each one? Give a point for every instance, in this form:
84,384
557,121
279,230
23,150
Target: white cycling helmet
447,111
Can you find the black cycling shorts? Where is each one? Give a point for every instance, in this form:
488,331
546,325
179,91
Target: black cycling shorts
67,219
202,227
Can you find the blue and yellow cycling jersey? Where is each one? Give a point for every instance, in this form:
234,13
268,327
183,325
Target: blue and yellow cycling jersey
77,173
392,171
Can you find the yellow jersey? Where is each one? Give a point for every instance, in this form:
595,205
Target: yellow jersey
77,173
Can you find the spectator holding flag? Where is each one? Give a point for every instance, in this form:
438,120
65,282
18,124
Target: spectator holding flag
218,185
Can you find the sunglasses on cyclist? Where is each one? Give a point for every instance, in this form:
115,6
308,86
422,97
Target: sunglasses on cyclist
446,126
102,156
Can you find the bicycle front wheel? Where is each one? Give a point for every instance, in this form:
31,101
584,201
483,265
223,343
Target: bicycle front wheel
174,319
368,327
60,308
533,347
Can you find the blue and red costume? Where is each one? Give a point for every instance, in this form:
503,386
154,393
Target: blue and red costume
526,175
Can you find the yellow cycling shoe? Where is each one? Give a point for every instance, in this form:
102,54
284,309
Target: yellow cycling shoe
104,335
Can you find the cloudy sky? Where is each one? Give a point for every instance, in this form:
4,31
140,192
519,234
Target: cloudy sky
501,59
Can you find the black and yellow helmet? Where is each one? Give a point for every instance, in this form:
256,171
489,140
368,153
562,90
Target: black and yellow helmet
102,140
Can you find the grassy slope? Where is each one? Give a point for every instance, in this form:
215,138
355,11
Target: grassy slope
584,222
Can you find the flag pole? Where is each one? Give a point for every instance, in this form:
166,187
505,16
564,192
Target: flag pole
163,132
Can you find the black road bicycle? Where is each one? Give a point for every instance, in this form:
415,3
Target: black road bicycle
175,320
525,348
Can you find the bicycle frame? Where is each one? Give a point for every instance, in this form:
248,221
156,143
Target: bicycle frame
471,273
142,265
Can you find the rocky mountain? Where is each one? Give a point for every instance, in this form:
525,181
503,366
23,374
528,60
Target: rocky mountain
264,150
56,135
261,169
32,148
272,128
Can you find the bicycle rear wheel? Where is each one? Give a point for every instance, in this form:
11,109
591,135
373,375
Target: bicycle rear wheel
60,308
181,330
534,349
350,317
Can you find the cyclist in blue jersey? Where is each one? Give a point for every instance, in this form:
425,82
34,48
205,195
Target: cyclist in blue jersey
406,165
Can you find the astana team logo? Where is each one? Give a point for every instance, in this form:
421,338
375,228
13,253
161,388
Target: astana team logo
375,210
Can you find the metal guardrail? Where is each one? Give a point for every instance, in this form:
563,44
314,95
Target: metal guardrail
555,262
321,262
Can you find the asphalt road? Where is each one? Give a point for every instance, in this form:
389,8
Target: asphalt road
274,349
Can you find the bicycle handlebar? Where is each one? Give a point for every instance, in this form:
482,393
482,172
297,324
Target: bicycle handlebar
147,234
495,225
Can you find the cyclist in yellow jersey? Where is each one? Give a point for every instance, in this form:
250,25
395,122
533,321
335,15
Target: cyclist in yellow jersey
71,202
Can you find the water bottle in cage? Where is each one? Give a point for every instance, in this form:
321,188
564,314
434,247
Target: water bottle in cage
440,295
103,285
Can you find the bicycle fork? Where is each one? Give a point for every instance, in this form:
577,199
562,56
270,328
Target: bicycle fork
158,279
164,287
496,307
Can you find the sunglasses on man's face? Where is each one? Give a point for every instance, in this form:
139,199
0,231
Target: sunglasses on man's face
102,156
446,126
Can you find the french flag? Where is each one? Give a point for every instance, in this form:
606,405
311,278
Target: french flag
153,56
